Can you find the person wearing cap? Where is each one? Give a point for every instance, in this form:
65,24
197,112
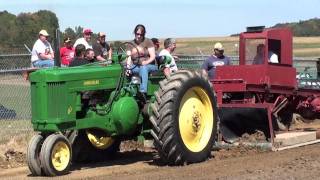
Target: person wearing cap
169,47
42,54
216,59
85,40
66,52
101,48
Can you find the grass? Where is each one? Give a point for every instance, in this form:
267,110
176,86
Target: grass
15,94
15,128
302,46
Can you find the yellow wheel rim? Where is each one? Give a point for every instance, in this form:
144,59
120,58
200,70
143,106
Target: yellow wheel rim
60,156
102,142
196,119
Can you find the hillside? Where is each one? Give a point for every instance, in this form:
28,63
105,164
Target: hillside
305,28
302,46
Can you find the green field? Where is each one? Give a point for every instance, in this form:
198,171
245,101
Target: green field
302,46
12,129
15,94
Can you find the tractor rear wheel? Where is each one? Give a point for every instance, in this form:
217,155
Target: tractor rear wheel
56,155
33,154
184,118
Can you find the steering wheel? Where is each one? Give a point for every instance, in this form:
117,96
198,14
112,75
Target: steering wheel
122,55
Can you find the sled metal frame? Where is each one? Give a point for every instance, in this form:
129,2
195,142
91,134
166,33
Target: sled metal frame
276,79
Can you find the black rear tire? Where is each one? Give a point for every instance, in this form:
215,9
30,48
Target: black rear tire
174,129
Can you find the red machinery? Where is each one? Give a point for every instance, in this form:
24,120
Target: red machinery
265,85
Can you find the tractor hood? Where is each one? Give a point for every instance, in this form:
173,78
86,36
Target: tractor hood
58,74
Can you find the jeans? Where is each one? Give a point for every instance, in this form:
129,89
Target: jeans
43,63
144,74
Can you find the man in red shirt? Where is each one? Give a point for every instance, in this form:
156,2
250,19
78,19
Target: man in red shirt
66,53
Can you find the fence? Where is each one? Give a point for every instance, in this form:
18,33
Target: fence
15,111
15,108
303,65
14,58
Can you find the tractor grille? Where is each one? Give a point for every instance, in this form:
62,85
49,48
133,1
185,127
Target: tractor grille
48,100
57,98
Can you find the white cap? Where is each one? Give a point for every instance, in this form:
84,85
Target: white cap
43,32
218,46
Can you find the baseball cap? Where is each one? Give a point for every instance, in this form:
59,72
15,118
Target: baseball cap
43,32
218,46
66,40
101,34
87,31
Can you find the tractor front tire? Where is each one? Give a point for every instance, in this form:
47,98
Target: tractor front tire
56,155
184,118
33,155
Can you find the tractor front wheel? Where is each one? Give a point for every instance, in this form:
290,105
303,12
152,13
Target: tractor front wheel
33,154
56,155
184,118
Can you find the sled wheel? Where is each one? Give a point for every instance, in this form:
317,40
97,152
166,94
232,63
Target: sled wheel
33,154
184,118
55,155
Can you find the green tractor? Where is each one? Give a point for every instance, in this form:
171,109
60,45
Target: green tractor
83,113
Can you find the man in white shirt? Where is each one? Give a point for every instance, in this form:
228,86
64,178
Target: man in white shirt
169,47
42,54
258,59
273,57
85,40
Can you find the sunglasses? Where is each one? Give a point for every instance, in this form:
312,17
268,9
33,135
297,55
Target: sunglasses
139,34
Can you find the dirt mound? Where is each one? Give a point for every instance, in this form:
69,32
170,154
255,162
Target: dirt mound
131,146
256,137
12,158
236,151
300,123
13,152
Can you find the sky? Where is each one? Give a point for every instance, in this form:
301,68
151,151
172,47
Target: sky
169,18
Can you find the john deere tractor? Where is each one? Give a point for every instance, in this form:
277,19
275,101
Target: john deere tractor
83,113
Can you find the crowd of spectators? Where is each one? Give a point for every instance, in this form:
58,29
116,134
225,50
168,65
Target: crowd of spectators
73,52
84,50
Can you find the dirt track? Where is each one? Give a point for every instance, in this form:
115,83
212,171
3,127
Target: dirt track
238,163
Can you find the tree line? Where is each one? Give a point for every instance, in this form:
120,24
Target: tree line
15,31
24,28
309,27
